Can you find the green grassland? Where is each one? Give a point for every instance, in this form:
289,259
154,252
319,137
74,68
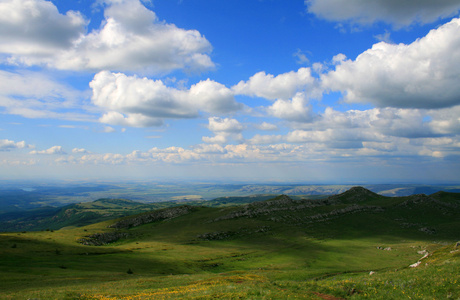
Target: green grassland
280,248
85,213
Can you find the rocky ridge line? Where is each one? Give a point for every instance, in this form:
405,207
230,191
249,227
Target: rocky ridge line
157,215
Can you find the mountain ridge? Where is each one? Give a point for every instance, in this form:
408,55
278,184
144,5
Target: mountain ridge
357,198
403,213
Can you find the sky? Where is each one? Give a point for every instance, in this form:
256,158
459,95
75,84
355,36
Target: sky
314,91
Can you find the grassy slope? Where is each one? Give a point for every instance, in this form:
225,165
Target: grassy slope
79,214
85,213
255,257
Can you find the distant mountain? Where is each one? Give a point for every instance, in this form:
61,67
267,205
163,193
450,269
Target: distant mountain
294,209
355,210
355,195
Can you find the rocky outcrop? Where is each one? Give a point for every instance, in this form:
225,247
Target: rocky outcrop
327,216
284,203
104,238
225,235
425,255
422,198
428,230
281,203
157,215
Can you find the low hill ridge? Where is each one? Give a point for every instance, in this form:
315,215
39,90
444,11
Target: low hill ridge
116,201
284,210
153,216
355,195
354,200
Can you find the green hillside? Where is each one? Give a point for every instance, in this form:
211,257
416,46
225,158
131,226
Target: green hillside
79,214
353,245
86,213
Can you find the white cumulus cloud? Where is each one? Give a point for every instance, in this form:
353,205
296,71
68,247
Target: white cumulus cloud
225,129
424,74
35,28
282,86
50,151
79,150
142,102
131,120
398,13
224,125
297,109
131,38
8,145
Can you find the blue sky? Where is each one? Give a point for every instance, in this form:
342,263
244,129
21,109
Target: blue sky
315,91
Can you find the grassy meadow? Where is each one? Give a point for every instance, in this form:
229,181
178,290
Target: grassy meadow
362,254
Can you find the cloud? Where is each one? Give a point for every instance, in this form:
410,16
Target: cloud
213,97
266,126
8,145
377,123
384,37
378,132
142,102
361,140
172,155
380,146
209,149
224,125
445,121
16,163
79,150
259,139
35,95
301,57
104,159
131,38
50,151
108,129
131,120
297,109
35,28
224,129
398,13
283,86
424,74
330,139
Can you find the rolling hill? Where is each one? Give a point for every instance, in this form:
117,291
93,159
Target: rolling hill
79,214
85,213
356,244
